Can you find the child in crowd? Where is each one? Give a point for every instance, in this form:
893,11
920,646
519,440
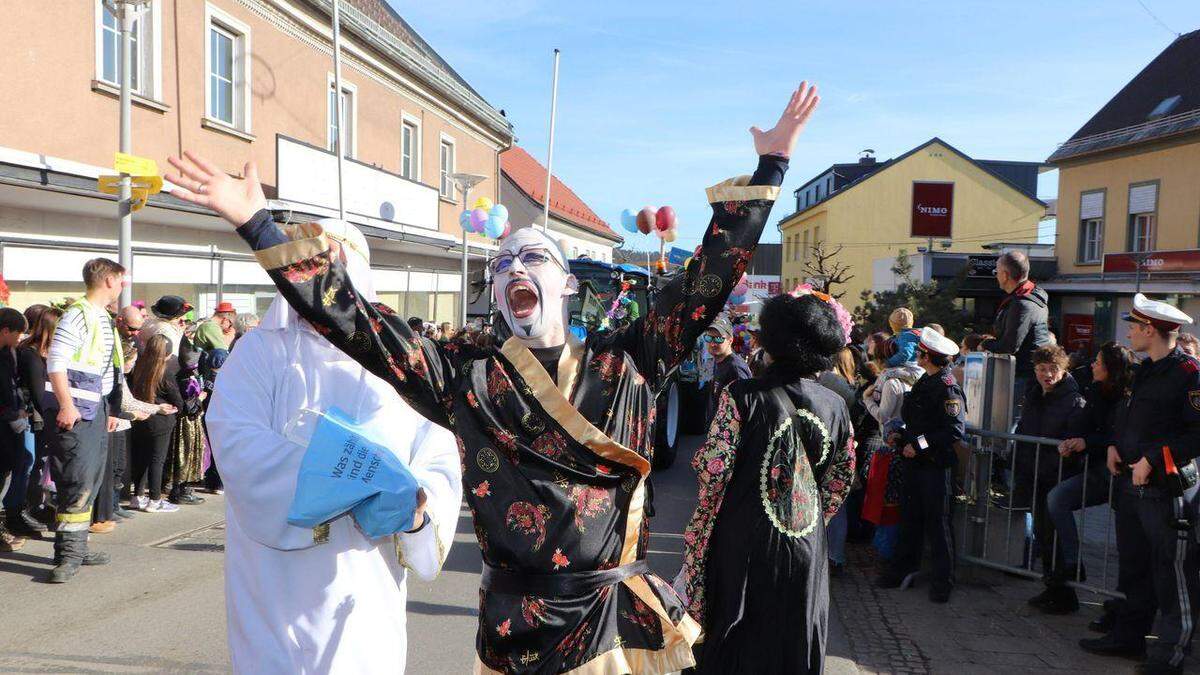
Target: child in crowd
901,322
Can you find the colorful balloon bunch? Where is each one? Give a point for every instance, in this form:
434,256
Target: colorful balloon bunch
486,218
662,222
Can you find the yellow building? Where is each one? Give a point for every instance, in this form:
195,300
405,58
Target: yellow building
1129,199
932,194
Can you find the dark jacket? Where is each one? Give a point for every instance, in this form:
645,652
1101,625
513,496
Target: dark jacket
934,411
838,385
1163,410
32,370
1021,326
168,392
12,401
1100,418
1059,415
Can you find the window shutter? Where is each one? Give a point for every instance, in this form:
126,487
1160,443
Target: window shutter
1143,198
1091,205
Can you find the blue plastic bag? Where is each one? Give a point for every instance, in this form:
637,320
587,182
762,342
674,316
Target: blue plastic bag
344,471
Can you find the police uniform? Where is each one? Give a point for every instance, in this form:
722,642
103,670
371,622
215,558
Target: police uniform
933,414
1156,542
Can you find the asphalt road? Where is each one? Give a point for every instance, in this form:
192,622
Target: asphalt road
159,607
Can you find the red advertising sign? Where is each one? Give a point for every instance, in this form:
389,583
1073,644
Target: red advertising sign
1079,329
1154,261
932,209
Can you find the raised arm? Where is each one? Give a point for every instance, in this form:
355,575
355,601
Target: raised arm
687,305
308,268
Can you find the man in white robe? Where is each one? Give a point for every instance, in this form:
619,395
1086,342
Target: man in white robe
336,607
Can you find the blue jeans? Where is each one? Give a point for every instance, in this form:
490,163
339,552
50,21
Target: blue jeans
19,448
1067,497
835,533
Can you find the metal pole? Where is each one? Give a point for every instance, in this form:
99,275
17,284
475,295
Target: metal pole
125,234
550,151
463,313
337,105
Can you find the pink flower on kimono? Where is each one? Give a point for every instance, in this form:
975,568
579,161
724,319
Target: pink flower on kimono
560,561
716,466
505,628
689,537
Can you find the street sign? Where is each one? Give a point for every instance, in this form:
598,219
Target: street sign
677,255
134,165
932,209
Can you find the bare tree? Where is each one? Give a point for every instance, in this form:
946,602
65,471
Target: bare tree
825,270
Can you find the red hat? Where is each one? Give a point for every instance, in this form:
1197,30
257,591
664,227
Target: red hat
225,308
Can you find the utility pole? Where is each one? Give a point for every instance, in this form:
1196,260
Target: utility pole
464,182
550,150
125,12
340,143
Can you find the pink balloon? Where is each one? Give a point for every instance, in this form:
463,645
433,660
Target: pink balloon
479,218
645,220
507,229
664,219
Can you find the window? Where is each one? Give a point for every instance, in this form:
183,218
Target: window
1143,206
348,101
818,192
410,148
816,235
146,46
227,53
804,250
1091,240
446,162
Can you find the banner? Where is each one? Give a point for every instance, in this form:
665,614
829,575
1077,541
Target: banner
1153,261
677,255
932,209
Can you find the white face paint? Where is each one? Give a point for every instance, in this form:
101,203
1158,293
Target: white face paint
531,286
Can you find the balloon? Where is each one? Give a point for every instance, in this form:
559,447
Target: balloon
664,219
507,229
737,299
479,218
483,203
499,211
669,236
741,288
494,227
645,220
629,220
464,221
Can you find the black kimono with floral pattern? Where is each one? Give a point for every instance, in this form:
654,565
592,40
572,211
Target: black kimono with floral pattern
553,472
777,465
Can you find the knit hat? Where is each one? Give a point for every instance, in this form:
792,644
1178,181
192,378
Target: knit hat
900,319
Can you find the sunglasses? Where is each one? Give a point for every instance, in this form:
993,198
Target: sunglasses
530,256
714,339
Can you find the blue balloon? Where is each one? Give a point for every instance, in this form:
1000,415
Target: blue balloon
494,227
464,221
500,212
629,220
737,299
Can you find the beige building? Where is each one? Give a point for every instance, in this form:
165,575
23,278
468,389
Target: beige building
1129,200
237,80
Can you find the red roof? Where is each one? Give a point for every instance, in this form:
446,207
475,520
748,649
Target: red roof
530,177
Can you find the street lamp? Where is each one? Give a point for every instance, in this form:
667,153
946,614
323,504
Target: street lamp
464,182
125,12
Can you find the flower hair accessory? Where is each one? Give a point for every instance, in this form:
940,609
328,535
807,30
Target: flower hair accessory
843,316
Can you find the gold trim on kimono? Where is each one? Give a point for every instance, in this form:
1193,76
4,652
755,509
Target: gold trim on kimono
560,408
307,241
738,190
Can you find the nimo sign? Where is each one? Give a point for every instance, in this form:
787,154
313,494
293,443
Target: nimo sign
932,209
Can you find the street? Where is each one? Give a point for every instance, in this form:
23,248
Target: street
159,607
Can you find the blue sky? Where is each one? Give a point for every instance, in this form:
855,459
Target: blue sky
655,97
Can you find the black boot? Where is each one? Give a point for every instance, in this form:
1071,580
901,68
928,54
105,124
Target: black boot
20,523
1111,646
1064,600
70,550
1042,599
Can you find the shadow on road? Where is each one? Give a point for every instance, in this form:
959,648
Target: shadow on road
435,609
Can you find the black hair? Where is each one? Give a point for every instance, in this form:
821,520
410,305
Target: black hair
939,360
416,323
802,335
13,320
1119,362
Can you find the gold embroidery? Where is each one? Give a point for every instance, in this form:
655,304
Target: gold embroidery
529,657
321,534
737,190
329,297
532,423
487,460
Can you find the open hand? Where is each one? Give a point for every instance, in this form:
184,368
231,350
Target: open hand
1114,460
910,451
782,137
1141,472
200,182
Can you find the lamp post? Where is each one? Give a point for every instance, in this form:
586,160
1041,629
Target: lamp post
464,182
125,12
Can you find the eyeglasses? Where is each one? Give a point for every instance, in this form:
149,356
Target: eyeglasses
714,339
530,256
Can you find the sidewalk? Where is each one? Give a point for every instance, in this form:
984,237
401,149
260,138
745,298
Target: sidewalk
987,627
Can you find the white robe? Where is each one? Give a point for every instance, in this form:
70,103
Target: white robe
337,607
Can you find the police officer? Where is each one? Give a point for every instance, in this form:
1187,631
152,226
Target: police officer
933,416
1151,457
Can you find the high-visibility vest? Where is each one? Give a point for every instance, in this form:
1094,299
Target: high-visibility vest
85,370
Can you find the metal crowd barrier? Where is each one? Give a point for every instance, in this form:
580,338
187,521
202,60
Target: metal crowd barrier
987,522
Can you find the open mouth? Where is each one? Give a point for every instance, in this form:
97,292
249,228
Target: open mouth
522,299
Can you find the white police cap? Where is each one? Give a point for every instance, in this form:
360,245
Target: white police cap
935,342
1158,314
